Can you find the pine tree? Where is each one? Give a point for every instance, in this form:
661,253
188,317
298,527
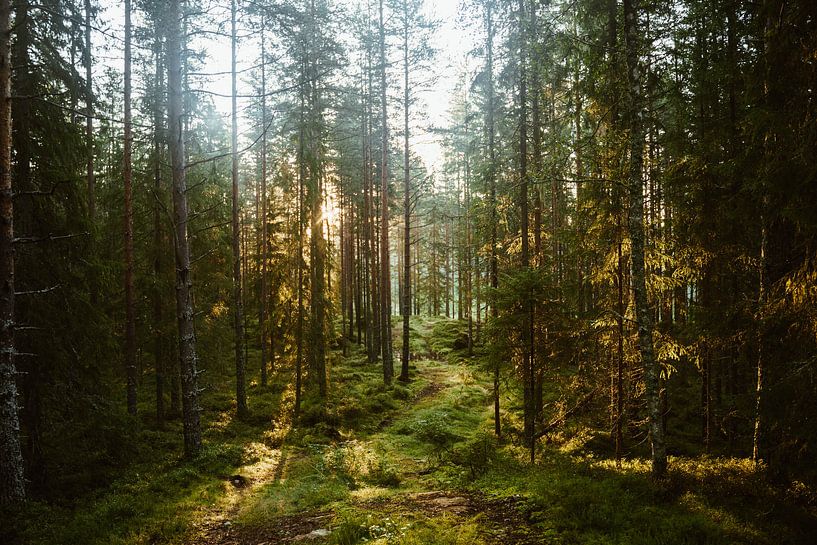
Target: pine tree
184,284
127,170
635,115
385,265
12,482
238,303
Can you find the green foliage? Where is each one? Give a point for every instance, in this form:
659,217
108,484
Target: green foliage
350,532
215,459
447,336
401,392
588,500
434,430
442,531
386,530
574,494
384,475
477,454
293,496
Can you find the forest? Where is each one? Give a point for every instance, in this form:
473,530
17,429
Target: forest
408,272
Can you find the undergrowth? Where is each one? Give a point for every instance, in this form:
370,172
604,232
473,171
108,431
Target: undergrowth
367,446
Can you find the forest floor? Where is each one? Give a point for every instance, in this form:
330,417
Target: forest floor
415,463
379,480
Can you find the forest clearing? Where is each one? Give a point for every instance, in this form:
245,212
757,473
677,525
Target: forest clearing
408,272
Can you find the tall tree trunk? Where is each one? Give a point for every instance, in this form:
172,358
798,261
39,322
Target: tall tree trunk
299,332
478,296
158,238
317,241
469,287
768,142
537,136
344,273
358,283
244,224
176,386
636,230
577,153
73,39
23,88
127,171
184,283
351,252
493,261
404,367
373,312
617,374
363,251
537,351
556,191
385,274
619,377
12,481
757,435
263,232
89,116
417,278
527,321
238,310
90,177
447,251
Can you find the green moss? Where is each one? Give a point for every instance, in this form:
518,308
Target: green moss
447,336
294,495
441,531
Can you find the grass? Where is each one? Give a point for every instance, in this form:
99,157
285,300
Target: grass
154,495
382,529
358,456
148,504
587,501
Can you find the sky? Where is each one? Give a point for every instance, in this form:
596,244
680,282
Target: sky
450,40
452,44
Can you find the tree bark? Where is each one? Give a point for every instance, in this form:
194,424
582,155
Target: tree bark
757,435
493,260
344,273
317,241
385,274
527,320
618,373
184,283
158,238
238,306
636,230
263,232
127,171
89,116
299,332
404,367
12,482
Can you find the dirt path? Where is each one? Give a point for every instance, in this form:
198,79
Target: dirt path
499,520
299,528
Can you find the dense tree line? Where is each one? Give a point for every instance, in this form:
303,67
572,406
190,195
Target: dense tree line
625,214
647,218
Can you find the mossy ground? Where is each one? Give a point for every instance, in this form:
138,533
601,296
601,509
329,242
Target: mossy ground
408,464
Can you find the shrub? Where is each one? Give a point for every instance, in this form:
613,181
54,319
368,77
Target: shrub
477,454
434,430
382,473
350,532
